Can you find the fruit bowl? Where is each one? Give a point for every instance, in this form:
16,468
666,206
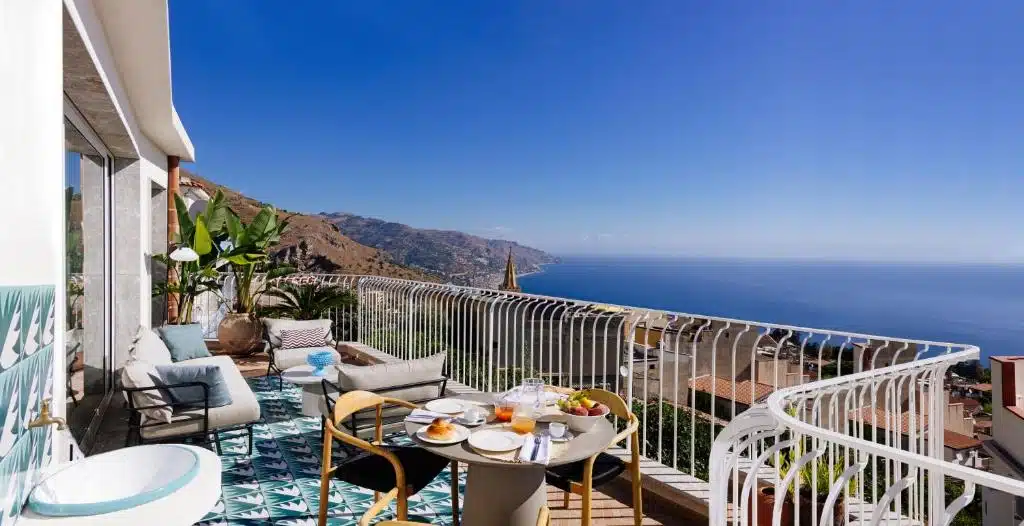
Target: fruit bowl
580,412
582,424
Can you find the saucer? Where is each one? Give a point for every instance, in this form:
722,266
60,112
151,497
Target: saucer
462,420
567,436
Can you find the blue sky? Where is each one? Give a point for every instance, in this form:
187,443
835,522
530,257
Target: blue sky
841,130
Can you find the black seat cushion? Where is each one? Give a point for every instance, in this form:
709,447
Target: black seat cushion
371,471
606,468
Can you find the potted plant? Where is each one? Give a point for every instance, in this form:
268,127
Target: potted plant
309,301
247,253
764,504
815,480
192,265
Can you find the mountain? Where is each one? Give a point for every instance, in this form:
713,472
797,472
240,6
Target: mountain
312,242
458,257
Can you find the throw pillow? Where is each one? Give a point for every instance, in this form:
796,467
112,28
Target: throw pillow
148,347
301,338
185,342
381,376
217,387
276,325
137,373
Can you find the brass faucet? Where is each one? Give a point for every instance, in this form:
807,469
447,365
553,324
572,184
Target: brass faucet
44,419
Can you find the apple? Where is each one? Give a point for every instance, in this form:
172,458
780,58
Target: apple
580,411
597,410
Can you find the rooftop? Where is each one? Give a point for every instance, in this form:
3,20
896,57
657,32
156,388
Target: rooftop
743,391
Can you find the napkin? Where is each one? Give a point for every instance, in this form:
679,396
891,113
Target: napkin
543,454
422,416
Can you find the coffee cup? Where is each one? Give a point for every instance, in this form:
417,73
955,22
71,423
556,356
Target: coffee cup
473,414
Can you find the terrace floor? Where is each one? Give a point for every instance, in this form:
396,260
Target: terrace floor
279,483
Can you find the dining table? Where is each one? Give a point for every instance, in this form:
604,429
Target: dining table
504,493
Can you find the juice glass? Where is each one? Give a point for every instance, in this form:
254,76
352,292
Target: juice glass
503,412
523,424
504,408
525,417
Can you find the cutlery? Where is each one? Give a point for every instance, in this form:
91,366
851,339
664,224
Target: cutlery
536,449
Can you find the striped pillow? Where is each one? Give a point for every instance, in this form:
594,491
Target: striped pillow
295,339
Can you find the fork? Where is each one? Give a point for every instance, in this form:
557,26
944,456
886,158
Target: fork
536,448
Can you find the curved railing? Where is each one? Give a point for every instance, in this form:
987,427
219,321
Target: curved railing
870,444
690,378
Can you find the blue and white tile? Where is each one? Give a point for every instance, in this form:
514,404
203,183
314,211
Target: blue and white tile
10,326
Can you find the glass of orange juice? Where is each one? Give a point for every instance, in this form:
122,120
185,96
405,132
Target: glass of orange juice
504,408
524,419
523,424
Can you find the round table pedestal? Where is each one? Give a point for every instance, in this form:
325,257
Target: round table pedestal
499,496
311,396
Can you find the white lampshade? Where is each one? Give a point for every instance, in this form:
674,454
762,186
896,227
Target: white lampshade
184,254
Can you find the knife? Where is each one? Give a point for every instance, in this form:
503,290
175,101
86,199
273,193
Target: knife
536,449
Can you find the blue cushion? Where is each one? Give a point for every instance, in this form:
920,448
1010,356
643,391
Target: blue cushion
193,396
184,341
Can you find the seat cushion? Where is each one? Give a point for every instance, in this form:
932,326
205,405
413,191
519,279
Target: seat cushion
216,388
285,358
244,408
606,468
371,471
275,326
148,347
185,342
374,378
137,373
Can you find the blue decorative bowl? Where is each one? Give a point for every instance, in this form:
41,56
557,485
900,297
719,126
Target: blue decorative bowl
319,361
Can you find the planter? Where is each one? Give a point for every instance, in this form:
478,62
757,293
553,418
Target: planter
807,509
240,334
764,506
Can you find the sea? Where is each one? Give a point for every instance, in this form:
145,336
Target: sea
981,305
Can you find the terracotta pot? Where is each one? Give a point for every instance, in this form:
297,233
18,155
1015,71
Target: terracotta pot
764,504
807,509
240,334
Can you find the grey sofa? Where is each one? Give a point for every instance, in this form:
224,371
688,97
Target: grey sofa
199,422
416,381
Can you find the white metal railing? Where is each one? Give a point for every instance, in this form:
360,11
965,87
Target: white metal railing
666,364
864,448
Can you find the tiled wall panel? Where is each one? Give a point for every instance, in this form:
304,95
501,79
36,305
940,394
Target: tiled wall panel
26,378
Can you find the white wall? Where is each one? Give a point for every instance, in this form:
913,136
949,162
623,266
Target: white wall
32,158
31,143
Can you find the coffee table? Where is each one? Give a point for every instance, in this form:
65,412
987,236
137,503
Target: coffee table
508,494
312,390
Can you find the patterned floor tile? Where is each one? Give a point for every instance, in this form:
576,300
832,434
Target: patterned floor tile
279,483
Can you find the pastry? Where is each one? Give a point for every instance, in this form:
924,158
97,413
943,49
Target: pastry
440,429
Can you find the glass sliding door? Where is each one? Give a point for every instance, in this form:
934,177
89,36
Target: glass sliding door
87,207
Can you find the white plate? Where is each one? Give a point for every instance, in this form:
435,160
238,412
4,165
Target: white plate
447,406
461,433
494,440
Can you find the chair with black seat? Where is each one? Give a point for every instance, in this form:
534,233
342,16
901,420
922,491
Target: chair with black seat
395,471
582,476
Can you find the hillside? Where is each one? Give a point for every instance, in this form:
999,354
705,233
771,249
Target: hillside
459,257
314,243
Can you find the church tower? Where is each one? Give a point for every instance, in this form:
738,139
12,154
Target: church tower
510,284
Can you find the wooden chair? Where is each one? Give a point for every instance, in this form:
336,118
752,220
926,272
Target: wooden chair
544,517
581,477
396,471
